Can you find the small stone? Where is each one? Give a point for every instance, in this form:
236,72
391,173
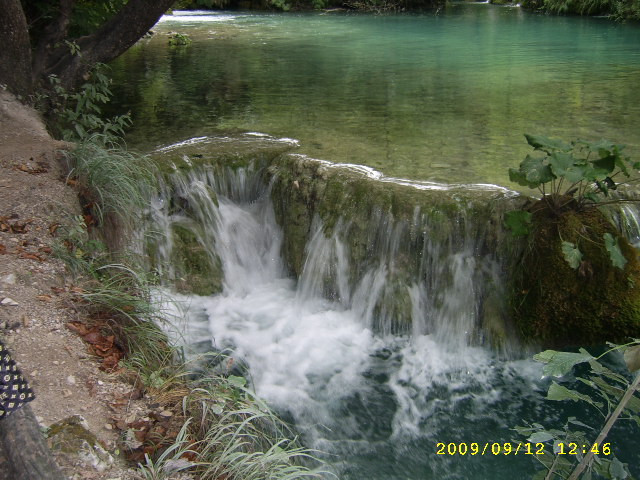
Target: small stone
55,362
166,414
9,279
9,302
108,426
34,373
100,382
71,380
66,393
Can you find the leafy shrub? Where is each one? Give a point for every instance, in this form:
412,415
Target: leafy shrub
77,115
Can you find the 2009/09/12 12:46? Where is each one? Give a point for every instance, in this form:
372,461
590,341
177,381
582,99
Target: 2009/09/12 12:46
523,448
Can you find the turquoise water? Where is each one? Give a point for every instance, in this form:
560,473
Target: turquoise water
443,98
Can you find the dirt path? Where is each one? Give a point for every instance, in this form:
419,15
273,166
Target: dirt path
35,291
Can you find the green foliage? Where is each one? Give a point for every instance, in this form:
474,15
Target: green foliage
78,114
86,16
619,10
572,254
574,176
577,447
581,171
519,222
178,39
280,5
617,258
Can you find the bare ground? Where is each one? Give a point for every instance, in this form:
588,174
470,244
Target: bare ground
36,290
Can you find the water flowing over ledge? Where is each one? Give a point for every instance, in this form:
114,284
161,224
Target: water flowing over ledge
369,312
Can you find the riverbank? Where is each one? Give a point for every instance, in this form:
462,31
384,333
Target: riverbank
38,301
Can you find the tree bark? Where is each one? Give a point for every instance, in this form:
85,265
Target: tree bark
15,52
24,454
130,24
53,34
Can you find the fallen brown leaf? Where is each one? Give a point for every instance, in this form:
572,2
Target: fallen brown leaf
32,171
30,256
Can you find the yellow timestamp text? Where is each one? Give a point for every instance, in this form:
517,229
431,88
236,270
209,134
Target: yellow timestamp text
522,448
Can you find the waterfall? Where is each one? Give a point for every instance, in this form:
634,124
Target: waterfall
374,361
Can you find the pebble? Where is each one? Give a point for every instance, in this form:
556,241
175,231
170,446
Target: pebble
71,380
9,279
9,301
108,426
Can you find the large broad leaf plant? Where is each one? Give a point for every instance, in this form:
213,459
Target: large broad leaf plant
574,175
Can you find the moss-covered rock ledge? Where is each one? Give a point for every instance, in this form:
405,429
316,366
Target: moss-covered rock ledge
416,234
593,301
304,188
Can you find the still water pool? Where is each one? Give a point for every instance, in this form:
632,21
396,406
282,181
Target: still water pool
442,97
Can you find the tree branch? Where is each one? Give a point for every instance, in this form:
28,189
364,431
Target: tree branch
607,427
119,33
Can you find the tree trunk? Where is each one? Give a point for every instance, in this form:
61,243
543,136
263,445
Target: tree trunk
15,52
130,24
24,454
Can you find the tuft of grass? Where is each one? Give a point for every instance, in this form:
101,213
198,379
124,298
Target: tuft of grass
112,180
240,437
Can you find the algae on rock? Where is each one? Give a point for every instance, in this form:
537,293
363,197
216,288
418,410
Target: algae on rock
195,269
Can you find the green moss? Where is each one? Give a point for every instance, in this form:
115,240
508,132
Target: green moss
196,271
559,306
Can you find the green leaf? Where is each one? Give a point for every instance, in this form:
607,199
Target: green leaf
239,382
559,393
632,358
617,470
615,254
540,142
561,363
580,424
592,197
572,254
621,165
564,165
607,163
519,222
520,178
540,437
536,171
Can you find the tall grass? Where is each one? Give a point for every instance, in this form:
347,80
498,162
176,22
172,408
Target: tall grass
113,182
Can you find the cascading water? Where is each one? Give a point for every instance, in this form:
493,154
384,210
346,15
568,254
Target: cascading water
324,351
